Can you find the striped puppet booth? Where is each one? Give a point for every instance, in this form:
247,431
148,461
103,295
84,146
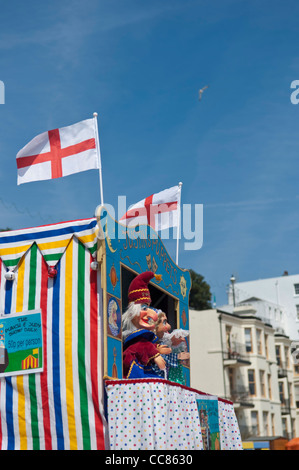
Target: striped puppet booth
51,391
63,294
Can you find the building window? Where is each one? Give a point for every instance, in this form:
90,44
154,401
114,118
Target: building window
248,340
266,423
281,392
262,383
278,355
269,387
259,341
255,423
296,287
297,311
251,382
284,428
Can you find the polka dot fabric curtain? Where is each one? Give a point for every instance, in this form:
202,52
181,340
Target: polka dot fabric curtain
161,415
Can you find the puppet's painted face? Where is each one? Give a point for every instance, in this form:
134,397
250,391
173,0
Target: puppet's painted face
163,326
146,319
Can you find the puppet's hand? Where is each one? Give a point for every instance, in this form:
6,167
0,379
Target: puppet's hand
183,356
160,362
176,341
163,349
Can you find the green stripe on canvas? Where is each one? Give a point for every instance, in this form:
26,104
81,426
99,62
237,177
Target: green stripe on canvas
81,348
53,256
11,262
32,377
93,248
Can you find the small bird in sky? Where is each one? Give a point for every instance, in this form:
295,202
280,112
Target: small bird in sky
201,91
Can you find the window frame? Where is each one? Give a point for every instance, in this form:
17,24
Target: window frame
248,329
252,382
254,419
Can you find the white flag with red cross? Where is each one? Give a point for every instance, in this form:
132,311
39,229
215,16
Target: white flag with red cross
59,152
160,210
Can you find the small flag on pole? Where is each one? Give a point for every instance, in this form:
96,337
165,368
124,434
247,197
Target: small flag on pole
160,210
59,152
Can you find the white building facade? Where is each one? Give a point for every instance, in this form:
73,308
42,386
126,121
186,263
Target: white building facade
282,292
234,354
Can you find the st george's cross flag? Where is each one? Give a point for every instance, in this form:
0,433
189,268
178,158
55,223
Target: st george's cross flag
59,152
160,210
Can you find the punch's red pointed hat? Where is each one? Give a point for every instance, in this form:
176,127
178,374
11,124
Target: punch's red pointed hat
138,290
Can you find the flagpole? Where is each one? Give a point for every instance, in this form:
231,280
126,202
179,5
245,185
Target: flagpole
179,223
99,156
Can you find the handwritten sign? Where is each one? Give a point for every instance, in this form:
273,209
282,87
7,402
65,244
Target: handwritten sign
21,343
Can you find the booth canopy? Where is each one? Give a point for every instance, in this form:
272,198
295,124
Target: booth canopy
51,240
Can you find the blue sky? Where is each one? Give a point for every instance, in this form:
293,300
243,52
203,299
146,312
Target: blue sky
140,66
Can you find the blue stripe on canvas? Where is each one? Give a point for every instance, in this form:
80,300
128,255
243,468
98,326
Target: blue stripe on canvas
56,360
8,296
9,415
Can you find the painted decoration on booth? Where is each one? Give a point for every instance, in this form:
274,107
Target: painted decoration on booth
209,422
21,343
114,317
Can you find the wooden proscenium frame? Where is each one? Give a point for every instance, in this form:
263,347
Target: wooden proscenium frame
122,254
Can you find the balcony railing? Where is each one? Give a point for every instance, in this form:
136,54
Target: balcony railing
242,397
237,352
